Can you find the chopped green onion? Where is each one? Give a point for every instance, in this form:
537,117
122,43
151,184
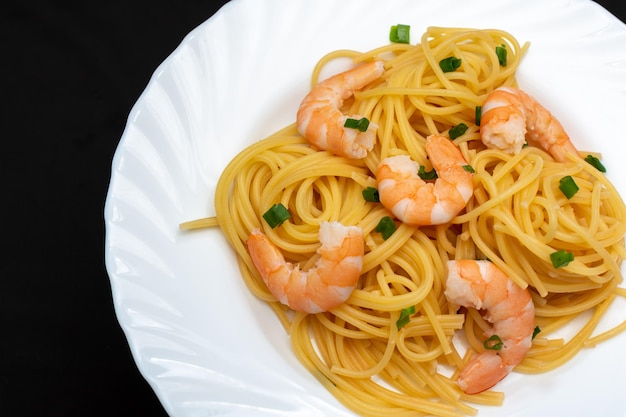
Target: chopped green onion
536,332
370,194
478,114
430,175
400,34
469,168
457,130
561,258
568,186
595,162
501,52
276,215
405,317
450,64
493,343
386,226
360,124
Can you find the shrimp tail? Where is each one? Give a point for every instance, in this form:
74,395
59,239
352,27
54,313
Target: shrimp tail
482,373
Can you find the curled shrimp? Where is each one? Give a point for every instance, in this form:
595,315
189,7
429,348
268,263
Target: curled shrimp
510,117
510,309
321,121
417,202
327,284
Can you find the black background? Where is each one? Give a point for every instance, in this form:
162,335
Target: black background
73,70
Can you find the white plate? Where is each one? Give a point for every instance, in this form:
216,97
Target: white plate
202,341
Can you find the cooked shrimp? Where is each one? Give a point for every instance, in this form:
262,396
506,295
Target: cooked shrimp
417,202
510,117
482,285
327,284
321,121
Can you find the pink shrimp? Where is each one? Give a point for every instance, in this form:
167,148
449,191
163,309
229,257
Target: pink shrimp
417,202
321,121
482,285
327,284
510,117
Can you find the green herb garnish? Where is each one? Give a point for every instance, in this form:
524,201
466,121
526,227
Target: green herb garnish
450,64
595,162
426,175
370,194
457,130
493,343
501,53
276,215
400,34
568,186
360,124
405,317
561,258
386,226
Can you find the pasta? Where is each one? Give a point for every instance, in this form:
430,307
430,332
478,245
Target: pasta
358,350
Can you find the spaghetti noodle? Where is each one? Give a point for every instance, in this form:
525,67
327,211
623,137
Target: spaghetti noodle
390,348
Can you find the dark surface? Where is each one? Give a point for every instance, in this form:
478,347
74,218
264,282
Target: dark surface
74,71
